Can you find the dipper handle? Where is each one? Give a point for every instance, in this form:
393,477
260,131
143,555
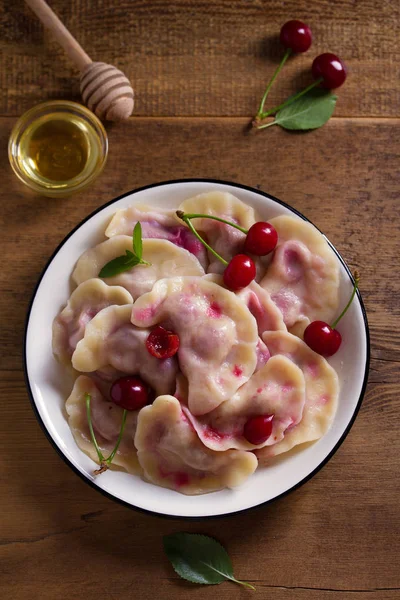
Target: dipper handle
50,20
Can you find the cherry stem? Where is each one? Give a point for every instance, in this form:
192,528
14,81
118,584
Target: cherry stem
353,293
104,462
287,102
269,86
185,216
92,435
121,433
186,220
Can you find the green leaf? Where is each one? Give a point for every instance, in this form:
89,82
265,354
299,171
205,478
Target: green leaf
199,559
119,265
310,111
137,240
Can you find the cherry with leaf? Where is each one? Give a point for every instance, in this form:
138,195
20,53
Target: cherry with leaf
313,106
296,37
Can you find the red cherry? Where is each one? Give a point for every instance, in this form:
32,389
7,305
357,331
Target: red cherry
240,272
130,392
162,343
258,429
331,69
296,36
261,239
321,338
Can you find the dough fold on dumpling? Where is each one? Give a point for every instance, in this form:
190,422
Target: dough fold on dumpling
224,239
322,391
159,223
262,353
167,260
303,276
85,302
172,455
277,389
111,340
218,336
106,420
259,303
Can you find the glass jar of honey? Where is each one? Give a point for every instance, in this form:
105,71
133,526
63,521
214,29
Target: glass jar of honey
58,148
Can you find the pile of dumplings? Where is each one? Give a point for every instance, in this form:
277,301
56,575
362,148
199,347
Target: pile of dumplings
241,354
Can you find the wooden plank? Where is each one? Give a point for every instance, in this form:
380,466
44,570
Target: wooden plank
337,536
191,57
310,171
336,533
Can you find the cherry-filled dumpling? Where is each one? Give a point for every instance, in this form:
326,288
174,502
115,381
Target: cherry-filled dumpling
277,389
303,277
263,309
224,239
106,421
85,302
259,303
322,390
166,260
172,456
159,223
111,340
218,336
262,353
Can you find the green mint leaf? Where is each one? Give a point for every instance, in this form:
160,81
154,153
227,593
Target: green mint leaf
199,559
119,265
137,240
130,254
310,111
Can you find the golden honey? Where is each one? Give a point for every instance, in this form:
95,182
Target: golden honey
58,148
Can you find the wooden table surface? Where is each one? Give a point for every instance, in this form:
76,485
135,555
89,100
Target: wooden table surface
199,69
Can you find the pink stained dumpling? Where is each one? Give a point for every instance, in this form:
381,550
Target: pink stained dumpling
106,420
157,223
111,340
172,455
277,389
237,365
303,276
263,354
259,302
218,336
263,309
85,302
322,391
164,258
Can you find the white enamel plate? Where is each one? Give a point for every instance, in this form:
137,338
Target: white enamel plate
49,385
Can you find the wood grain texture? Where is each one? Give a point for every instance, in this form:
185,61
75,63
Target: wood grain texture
337,537
203,57
334,538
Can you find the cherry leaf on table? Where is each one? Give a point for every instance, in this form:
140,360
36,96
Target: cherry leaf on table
200,559
310,111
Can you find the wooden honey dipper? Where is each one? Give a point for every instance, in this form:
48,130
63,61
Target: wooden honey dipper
104,88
